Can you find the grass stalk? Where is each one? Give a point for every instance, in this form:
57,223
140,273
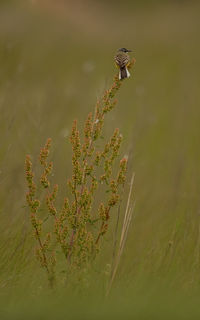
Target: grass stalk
125,227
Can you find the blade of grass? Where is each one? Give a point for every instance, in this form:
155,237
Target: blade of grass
124,232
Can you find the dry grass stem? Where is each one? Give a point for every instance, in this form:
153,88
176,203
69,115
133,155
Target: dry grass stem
125,227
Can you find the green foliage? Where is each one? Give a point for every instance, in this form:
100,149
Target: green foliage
55,63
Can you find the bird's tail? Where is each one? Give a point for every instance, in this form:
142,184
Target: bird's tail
123,73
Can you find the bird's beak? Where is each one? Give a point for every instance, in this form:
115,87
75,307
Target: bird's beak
129,50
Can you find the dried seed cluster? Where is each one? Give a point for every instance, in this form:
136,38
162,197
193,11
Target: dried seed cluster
79,224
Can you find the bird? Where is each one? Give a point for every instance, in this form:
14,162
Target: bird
122,61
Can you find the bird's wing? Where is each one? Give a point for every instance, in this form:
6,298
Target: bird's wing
122,60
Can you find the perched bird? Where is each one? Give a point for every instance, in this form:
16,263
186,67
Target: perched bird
122,61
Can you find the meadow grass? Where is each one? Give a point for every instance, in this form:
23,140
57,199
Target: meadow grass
54,66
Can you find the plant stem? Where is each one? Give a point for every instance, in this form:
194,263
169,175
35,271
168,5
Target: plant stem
125,227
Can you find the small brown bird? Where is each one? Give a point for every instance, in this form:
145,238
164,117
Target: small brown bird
122,61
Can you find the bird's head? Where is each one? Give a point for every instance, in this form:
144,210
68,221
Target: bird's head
124,50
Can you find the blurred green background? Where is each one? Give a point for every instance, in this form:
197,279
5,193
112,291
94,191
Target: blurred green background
56,59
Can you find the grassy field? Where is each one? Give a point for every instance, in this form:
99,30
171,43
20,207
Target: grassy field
56,59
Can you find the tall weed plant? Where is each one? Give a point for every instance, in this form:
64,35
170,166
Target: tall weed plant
76,227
